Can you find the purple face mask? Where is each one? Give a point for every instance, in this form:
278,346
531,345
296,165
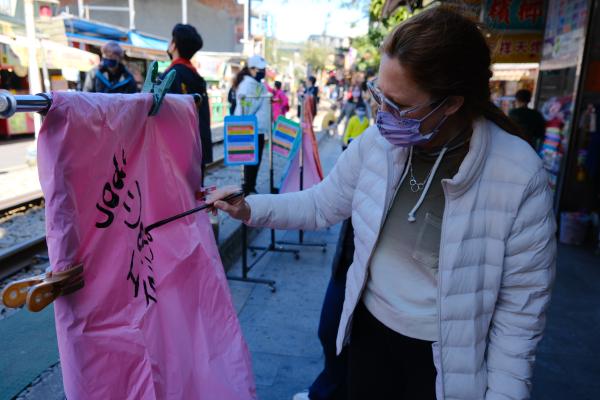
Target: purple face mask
406,132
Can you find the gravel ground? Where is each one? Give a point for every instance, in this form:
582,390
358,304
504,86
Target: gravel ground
21,226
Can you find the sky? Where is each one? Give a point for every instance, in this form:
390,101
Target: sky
295,20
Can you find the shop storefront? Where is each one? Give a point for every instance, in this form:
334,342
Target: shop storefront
569,96
60,65
516,36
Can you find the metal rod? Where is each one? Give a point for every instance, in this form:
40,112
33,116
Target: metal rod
10,104
108,8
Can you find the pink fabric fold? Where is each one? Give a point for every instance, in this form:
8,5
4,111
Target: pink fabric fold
313,172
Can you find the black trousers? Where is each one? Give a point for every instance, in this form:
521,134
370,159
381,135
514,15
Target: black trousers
251,171
384,364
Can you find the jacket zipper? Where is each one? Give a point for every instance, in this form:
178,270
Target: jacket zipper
387,207
439,289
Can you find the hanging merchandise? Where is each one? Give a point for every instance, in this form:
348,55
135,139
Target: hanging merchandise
155,319
304,173
592,163
557,112
286,137
241,140
587,127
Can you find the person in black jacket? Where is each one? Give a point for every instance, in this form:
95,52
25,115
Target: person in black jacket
313,90
531,122
111,76
185,43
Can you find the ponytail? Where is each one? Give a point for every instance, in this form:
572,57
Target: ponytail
491,112
240,77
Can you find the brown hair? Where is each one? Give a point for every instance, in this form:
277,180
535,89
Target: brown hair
240,76
447,55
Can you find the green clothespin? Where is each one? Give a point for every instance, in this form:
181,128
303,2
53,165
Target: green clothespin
158,88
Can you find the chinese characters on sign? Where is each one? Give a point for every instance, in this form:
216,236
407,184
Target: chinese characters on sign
520,48
515,14
115,194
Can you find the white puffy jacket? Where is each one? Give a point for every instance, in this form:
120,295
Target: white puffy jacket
497,252
253,98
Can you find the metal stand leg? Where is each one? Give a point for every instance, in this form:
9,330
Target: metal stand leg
246,268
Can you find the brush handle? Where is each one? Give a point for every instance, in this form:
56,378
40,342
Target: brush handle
192,211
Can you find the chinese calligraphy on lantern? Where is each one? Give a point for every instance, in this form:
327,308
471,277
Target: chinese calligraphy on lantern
116,193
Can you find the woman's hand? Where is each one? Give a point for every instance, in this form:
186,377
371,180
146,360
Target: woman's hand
237,208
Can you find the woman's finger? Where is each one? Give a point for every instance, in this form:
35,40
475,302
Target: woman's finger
225,206
221,193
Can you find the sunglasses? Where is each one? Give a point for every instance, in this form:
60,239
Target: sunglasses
393,108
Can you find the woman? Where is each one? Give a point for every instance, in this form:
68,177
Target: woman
281,104
453,222
252,98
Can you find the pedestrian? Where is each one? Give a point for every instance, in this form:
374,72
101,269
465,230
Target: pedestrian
313,90
356,126
281,103
531,122
328,121
111,76
231,98
300,97
453,223
252,98
185,42
353,97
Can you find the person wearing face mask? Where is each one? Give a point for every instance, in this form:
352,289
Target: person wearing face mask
453,223
253,98
356,126
111,76
185,42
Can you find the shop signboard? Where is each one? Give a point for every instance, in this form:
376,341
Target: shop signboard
517,48
565,33
515,14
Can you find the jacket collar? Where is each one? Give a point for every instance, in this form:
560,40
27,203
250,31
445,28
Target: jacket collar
182,61
469,170
472,166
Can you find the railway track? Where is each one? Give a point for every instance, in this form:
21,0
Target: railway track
32,251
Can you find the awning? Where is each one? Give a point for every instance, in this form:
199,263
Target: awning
95,29
55,55
136,44
130,50
147,42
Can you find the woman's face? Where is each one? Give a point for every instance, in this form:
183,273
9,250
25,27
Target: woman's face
395,83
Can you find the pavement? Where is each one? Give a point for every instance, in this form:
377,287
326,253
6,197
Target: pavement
567,365
13,151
